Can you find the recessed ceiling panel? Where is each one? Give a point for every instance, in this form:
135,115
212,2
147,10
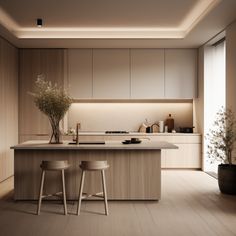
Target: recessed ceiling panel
114,23
99,13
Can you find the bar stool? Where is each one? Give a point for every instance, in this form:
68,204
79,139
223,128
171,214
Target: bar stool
53,166
93,166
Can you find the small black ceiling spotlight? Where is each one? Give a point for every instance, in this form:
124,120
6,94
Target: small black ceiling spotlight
39,22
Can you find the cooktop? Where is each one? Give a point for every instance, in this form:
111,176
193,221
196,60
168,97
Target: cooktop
116,132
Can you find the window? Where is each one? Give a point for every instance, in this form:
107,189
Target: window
214,91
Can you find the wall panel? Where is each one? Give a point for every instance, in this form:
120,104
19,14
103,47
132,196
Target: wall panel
8,106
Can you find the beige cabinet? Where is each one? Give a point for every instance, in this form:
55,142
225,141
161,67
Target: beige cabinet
180,73
80,73
147,73
111,75
186,156
132,73
34,62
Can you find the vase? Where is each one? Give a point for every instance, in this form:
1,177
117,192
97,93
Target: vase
56,133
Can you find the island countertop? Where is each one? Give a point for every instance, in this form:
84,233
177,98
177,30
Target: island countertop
109,145
134,173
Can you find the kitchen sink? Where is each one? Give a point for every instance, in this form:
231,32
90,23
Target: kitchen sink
90,143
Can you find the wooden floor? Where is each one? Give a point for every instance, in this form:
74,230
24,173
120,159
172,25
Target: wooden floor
191,205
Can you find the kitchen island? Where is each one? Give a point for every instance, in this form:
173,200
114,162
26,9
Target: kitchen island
134,173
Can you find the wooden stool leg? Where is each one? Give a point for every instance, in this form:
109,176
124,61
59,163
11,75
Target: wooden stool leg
81,191
104,191
64,191
41,191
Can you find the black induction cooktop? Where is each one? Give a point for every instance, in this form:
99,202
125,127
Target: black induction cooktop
116,132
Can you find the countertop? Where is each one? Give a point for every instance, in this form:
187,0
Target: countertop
109,145
135,134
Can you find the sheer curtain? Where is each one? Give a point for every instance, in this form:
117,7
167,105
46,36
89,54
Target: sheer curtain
214,91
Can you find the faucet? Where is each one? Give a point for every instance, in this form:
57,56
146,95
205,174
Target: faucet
77,133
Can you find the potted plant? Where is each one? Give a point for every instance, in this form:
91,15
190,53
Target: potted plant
220,148
53,102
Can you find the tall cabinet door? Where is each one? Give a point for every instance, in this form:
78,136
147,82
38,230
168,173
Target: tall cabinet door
111,75
8,107
180,73
147,73
80,73
34,62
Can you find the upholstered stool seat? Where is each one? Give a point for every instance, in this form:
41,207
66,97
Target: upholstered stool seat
53,166
93,166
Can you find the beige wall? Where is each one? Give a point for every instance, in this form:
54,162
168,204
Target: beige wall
231,66
127,116
198,103
8,106
231,69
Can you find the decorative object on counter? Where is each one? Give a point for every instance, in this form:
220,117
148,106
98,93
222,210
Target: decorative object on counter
161,126
220,148
71,132
166,129
186,129
53,102
151,128
132,141
142,128
147,128
170,123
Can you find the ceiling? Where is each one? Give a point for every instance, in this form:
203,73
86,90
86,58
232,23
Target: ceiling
113,23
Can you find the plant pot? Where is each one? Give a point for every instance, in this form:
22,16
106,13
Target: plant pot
227,178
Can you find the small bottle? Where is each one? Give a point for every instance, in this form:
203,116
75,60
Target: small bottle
170,123
166,129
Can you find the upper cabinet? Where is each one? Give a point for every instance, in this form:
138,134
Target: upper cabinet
132,73
180,73
111,74
147,73
80,73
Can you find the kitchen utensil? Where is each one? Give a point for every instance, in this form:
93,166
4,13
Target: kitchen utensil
186,129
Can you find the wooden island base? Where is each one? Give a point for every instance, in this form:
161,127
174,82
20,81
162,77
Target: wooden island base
134,174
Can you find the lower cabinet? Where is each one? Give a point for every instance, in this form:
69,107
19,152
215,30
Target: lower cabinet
187,156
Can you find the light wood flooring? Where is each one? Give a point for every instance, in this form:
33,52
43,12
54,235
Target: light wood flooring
191,204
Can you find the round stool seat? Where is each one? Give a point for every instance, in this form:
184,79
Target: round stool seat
93,165
54,165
